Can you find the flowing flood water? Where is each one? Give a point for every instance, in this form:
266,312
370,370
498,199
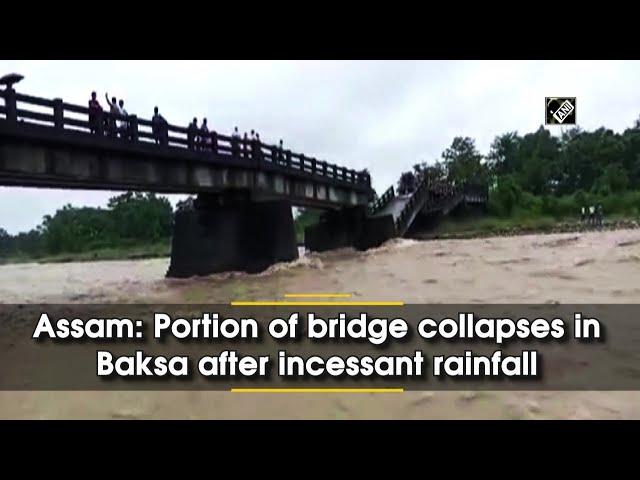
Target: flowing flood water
595,267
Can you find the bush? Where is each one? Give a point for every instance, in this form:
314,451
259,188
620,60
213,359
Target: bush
530,203
505,196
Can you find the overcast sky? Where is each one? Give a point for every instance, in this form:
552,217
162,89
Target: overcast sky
381,115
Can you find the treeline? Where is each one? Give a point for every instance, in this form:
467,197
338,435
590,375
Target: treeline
130,219
131,222
545,174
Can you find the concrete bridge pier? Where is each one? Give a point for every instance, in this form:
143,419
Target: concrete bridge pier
231,232
348,227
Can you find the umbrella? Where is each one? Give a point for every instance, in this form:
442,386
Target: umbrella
10,79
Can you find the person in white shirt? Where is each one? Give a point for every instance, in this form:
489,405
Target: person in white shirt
114,111
123,125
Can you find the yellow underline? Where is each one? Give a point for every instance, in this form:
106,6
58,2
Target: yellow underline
317,390
316,304
317,295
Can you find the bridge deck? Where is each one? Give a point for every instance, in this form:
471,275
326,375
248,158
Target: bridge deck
426,199
62,149
394,207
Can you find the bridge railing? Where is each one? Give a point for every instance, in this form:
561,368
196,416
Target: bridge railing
382,200
443,196
477,190
402,222
57,114
438,194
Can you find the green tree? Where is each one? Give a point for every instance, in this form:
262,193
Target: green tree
506,195
5,243
141,216
614,179
538,154
503,154
463,162
434,172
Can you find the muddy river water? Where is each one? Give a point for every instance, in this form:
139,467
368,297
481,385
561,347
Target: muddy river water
597,267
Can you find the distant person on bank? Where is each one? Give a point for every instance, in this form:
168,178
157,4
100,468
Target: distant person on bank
599,215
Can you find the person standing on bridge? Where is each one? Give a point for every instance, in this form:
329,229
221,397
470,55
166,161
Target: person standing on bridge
192,133
205,138
254,146
95,114
259,144
159,127
114,113
235,142
123,124
280,153
245,145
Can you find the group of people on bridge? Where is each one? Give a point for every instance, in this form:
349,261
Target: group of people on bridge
199,138
115,124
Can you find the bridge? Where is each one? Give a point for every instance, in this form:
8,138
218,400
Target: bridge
429,198
392,215
242,217
48,143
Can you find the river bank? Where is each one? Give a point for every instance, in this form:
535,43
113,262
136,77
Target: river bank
482,227
492,227
135,252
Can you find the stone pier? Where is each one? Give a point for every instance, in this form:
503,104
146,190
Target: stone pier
348,227
230,232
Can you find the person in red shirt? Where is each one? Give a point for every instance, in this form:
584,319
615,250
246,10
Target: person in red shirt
95,113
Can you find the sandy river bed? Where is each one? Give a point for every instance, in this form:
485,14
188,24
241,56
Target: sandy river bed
567,268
